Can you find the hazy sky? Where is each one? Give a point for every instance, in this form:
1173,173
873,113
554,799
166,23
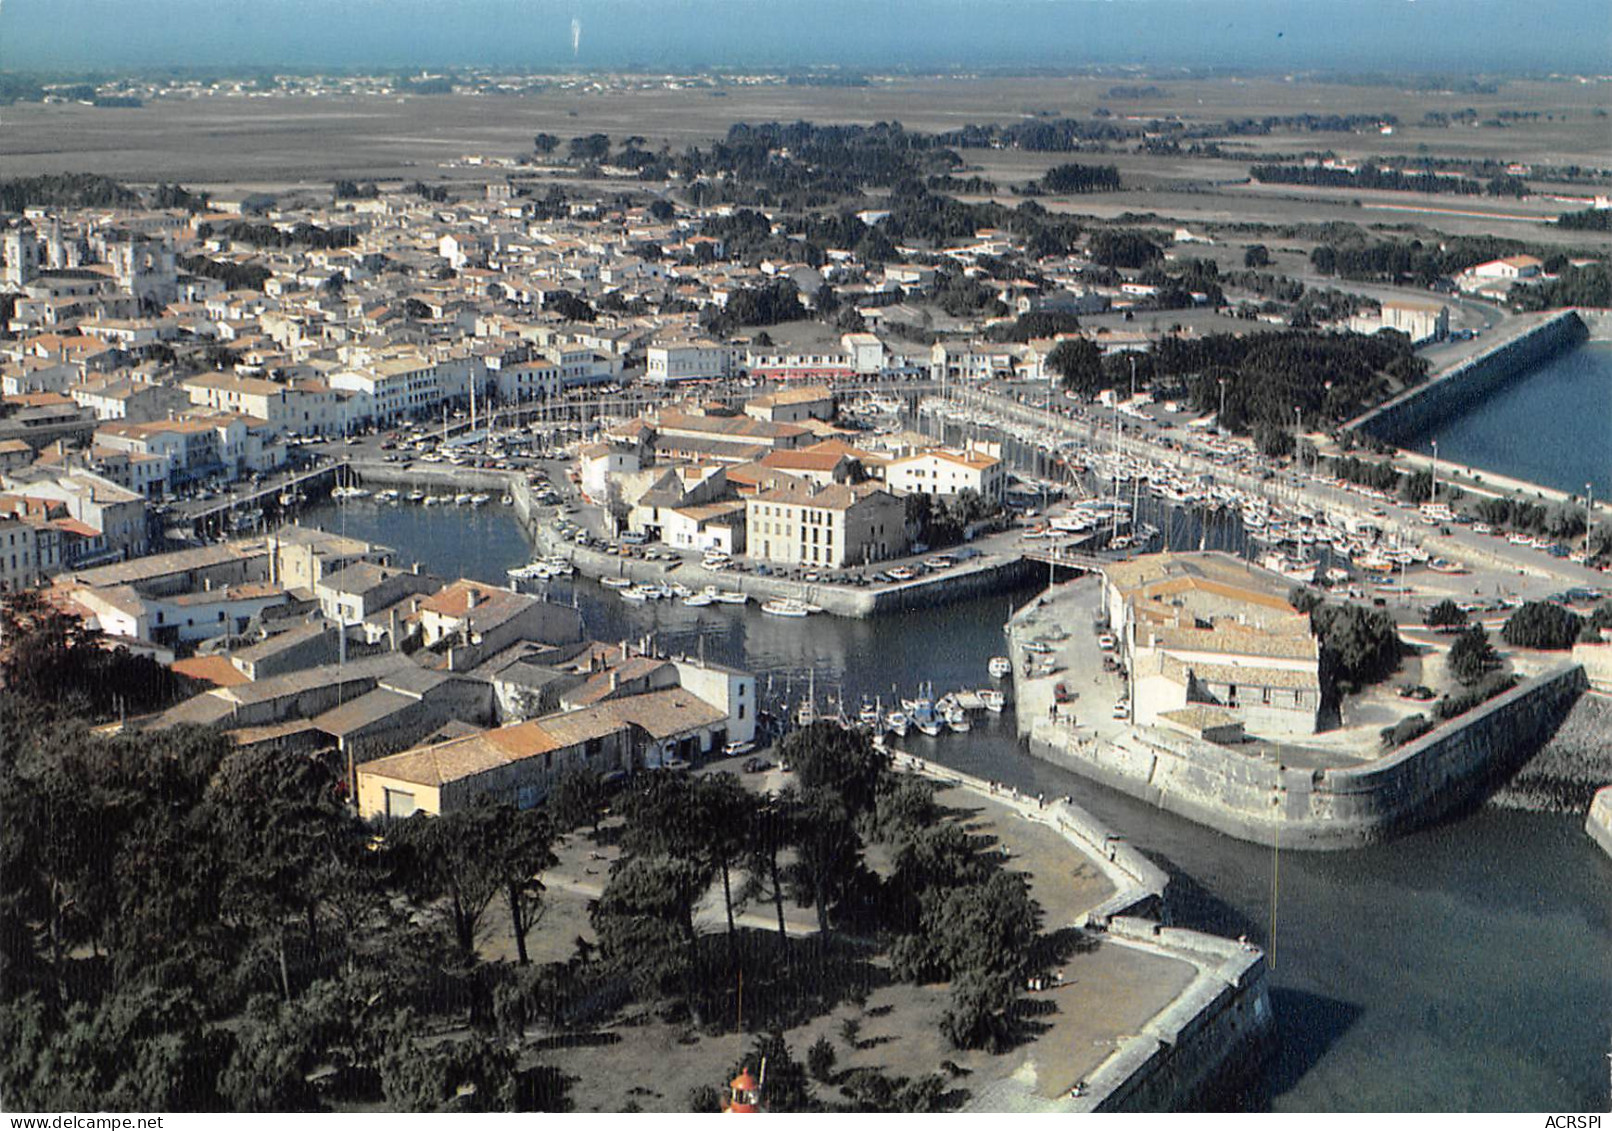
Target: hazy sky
1427,35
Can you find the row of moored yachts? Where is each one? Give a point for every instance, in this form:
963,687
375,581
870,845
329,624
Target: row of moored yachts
924,713
393,495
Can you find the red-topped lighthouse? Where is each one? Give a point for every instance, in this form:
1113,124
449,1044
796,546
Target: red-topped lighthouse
744,1093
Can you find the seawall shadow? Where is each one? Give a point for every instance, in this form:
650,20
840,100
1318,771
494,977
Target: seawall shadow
1307,1026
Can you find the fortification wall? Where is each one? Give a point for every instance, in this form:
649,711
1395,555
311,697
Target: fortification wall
1215,1030
1455,390
1261,800
1218,1029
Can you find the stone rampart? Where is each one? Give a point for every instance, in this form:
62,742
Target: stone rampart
1215,1030
1218,1028
1259,799
1455,390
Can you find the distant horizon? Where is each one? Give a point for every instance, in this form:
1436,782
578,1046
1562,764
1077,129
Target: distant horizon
1447,37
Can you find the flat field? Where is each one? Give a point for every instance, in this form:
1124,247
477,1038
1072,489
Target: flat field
280,140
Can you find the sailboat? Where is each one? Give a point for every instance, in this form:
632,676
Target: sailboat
870,715
806,714
924,715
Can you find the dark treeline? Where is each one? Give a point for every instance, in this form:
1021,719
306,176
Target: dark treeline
1372,176
235,276
268,235
1413,261
1064,179
1303,123
1391,179
1574,286
1328,377
800,165
1589,220
1042,135
177,196
65,190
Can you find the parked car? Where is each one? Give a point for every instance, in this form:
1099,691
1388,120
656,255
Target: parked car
1061,692
756,765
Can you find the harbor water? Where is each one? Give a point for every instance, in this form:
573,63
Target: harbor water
1466,967
1552,426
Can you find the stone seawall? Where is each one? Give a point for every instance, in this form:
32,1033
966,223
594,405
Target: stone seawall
431,477
1599,823
959,583
1455,390
1139,884
1216,1031
1261,800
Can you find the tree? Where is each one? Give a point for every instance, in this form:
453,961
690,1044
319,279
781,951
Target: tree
590,149
644,922
578,798
521,852
1304,599
1358,645
820,1060
787,1086
1273,440
1079,365
725,808
52,657
975,926
1445,614
447,863
828,854
1541,624
468,1075
277,819
1123,249
1417,487
1063,179
843,762
1472,656
977,1015
770,832
1257,255
545,143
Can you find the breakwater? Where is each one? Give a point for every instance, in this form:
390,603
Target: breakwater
1215,1032
1455,390
1257,797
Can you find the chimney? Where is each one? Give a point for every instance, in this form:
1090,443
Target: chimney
471,597
625,655
416,569
615,681
392,626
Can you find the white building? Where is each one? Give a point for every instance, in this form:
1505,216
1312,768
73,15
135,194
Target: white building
692,360
941,471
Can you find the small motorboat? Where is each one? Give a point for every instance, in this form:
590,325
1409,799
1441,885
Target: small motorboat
1000,667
